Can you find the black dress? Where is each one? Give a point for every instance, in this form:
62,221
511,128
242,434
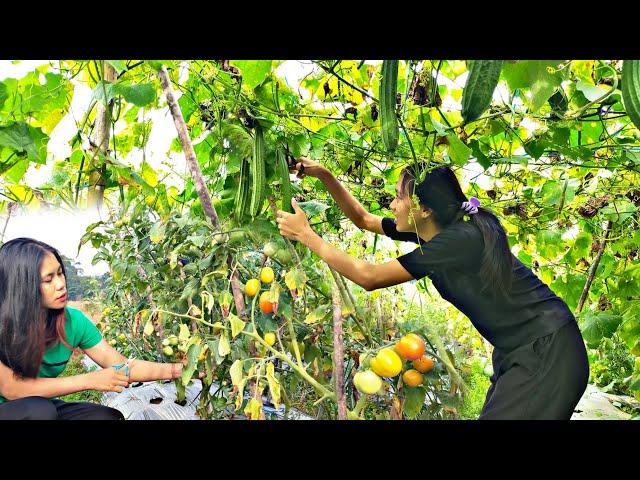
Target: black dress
540,362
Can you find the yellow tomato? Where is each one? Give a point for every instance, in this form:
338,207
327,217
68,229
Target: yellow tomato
168,351
267,275
367,382
270,338
386,363
252,287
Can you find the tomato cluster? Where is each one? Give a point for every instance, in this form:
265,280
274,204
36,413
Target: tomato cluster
389,362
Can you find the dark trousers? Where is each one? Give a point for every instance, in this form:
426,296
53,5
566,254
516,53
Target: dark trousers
543,380
40,408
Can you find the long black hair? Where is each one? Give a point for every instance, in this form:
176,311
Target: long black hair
440,191
26,326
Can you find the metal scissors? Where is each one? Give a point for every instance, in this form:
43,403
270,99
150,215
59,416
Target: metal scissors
124,366
291,160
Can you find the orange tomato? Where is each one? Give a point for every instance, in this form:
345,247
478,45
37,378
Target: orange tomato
423,364
412,378
410,347
266,305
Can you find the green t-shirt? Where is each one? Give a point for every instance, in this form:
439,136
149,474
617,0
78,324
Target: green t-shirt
80,331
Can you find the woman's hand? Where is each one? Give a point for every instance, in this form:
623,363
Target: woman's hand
294,226
108,380
185,362
306,166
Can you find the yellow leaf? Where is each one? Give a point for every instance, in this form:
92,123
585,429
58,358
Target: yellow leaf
253,409
21,192
184,333
275,291
224,348
171,194
346,310
49,123
157,232
274,385
318,314
237,325
295,279
357,335
240,397
173,260
148,328
236,373
207,300
149,174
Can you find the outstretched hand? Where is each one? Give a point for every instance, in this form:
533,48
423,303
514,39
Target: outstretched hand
306,166
293,226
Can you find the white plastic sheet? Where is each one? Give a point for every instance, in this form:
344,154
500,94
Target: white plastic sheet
135,402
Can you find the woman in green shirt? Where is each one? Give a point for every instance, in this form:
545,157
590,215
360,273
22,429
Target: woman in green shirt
38,333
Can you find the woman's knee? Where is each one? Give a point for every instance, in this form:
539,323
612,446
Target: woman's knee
34,408
100,412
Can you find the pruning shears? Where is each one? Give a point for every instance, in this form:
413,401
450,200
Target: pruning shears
291,160
124,366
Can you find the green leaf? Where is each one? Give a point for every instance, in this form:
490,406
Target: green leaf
535,75
3,94
581,246
192,356
104,92
261,228
414,400
139,95
536,148
479,154
156,64
620,211
596,326
458,151
24,138
119,65
253,72
197,240
266,323
236,373
313,207
187,106
590,91
237,325
630,329
541,90
15,173
524,257
552,192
